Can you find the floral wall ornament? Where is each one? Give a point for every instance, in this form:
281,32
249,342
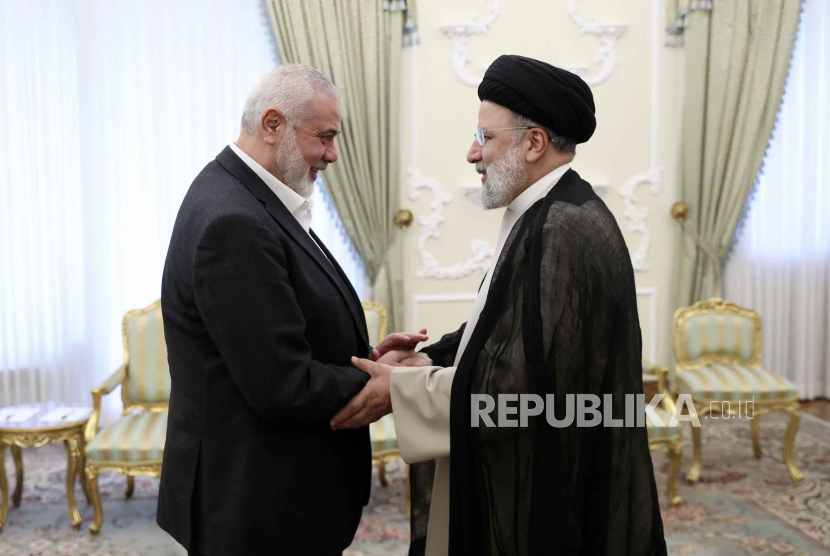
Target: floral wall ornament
459,35
637,216
481,251
606,57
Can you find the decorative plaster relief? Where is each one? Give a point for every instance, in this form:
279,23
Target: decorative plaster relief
638,216
459,35
606,57
482,251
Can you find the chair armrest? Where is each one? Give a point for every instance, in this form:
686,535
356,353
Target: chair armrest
107,387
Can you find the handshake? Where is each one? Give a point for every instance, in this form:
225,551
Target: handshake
374,401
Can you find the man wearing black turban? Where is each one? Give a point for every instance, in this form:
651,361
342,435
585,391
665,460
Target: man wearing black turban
556,316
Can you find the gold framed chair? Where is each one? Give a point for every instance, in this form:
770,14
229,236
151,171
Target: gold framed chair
717,349
134,444
665,436
382,433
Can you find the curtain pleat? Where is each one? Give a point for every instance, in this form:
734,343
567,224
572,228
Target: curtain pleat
781,262
109,111
358,44
737,57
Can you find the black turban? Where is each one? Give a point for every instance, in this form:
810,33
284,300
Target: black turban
549,96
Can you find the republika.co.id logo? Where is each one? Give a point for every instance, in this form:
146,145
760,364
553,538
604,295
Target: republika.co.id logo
587,410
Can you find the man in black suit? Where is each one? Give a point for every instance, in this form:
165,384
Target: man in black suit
261,324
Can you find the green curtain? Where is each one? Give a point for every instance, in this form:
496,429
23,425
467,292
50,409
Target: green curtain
737,58
358,45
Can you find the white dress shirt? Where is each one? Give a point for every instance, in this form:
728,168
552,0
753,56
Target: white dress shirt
512,213
297,205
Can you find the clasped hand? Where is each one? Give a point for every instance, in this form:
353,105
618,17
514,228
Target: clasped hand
374,400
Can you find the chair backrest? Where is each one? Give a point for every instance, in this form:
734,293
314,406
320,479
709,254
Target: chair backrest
375,315
716,330
145,358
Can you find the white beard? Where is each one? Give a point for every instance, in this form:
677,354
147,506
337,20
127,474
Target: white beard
504,176
295,170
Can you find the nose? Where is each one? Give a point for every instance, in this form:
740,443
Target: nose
330,154
474,154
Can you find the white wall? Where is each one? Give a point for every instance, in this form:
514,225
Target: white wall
636,86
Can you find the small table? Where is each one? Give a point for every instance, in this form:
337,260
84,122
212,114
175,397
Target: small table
35,432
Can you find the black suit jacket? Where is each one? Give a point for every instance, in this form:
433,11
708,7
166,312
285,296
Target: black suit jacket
260,328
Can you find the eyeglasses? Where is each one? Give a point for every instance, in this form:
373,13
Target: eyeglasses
481,131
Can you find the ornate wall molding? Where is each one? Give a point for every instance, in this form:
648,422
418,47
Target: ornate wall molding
651,293
606,56
438,298
637,216
481,251
459,35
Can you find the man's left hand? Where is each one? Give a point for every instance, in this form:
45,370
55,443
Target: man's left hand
371,403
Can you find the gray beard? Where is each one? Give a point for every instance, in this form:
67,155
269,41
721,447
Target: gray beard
504,176
295,170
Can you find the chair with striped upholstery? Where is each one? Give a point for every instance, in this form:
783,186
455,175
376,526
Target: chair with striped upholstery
717,350
382,433
134,444
663,434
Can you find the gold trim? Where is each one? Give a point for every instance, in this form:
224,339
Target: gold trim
381,311
714,305
381,457
673,443
706,405
71,434
94,468
125,395
17,456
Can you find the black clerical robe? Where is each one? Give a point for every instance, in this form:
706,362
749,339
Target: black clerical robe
561,319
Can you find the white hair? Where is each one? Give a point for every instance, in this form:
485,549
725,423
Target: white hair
288,88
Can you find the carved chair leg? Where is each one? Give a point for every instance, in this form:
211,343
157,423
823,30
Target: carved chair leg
789,442
4,487
382,473
82,471
130,486
675,458
17,455
756,436
92,482
697,462
72,460
408,492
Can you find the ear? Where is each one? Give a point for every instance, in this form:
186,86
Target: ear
538,144
272,126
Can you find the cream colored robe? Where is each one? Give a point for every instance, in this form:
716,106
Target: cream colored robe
421,406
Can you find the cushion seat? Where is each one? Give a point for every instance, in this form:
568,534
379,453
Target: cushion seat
133,438
655,430
733,381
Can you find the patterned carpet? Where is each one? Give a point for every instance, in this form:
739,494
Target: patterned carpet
740,506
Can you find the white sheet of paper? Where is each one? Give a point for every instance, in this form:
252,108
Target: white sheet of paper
17,414
67,414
